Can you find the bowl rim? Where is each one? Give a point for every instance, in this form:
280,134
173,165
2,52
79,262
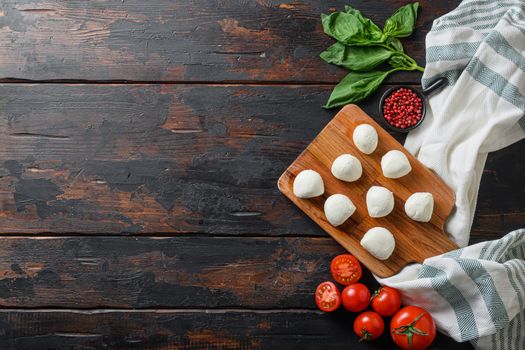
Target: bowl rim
387,93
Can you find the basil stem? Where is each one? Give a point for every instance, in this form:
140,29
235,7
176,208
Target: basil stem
362,46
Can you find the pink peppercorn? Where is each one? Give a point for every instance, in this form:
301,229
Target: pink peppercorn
403,108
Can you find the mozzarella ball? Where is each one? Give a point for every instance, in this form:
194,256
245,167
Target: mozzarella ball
308,184
338,208
379,242
395,164
379,201
347,168
365,138
419,206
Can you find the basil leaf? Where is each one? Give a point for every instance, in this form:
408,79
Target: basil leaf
357,13
395,44
362,46
350,9
397,61
401,24
356,58
352,28
355,87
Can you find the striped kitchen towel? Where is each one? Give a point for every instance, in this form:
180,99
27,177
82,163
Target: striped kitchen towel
476,293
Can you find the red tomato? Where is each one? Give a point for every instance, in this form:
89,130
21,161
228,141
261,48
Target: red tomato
386,301
346,269
327,296
356,297
412,328
369,325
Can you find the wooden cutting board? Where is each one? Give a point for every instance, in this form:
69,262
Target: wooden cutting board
415,241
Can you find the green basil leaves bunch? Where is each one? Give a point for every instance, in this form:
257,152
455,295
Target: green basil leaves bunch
362,46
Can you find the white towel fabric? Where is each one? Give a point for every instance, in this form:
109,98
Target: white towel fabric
476,293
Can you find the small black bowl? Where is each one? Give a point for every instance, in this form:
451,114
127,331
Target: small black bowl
423,95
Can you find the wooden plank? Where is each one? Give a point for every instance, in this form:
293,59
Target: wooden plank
183,272
500,207
180,159
200,329
414,241
121,158
159,40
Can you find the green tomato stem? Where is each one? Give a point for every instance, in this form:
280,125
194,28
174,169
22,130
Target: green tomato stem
409,330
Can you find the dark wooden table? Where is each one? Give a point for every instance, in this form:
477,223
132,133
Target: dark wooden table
140,146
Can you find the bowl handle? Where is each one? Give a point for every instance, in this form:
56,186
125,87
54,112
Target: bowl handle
434,86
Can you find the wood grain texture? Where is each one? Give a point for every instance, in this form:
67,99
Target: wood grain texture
184,272
152,159
414,241
265,284
204,40
500,207
170,159
142,159
187,329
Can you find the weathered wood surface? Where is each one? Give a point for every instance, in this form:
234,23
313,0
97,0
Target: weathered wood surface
195,292
112,159
193,165
500,207
204,40
183,272
185,330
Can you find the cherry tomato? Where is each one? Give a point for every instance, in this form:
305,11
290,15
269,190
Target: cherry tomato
346,269
369,325
327,296
412,328
386,301
356,297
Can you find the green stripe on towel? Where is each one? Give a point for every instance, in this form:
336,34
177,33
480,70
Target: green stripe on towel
513,275
495,82
463,311
472,22
478,4
466,12
452,52
499,44
483,280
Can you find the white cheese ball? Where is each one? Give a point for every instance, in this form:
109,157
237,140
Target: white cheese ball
347,168
395,164
379,242
308,184
419,206
379,201
338,208
365,138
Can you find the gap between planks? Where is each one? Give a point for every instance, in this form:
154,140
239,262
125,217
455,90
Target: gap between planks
94,311
72,235
183,82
